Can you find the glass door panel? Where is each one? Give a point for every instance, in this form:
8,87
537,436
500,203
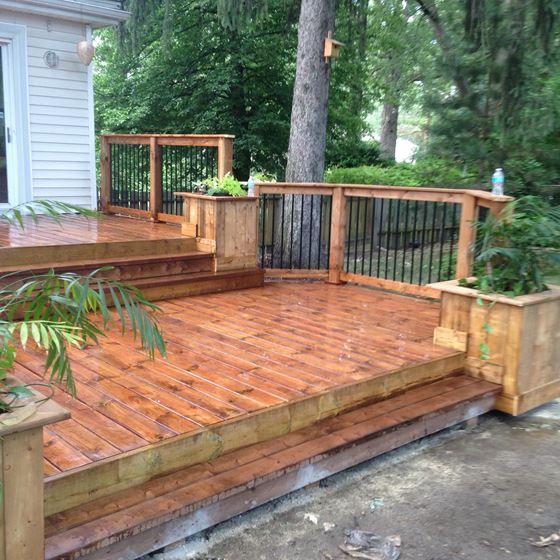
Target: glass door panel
3,133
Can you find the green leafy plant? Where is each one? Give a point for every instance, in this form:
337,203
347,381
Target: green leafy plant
53,312
515,251
227,186
424,173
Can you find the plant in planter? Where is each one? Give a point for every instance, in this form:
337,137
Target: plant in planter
507,318
53,312
515,251
227,186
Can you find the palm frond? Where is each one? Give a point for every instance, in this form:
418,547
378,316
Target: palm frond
51,209
56,311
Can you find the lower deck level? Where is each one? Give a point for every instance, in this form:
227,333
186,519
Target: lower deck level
242,366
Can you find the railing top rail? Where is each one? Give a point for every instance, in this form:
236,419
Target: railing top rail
167,136
196,140
308,188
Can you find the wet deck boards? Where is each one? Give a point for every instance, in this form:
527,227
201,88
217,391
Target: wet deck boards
73,230
231,355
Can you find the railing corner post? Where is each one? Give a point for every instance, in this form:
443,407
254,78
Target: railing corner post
225,156
155,179
105,191
22,534
338,236
467,236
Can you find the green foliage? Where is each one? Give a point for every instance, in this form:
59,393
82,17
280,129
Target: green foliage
353,154
53,312
433,173
515,252
175,69
228,186
493,101
48,208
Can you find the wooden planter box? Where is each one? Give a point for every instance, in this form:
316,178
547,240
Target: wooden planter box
524,345
225,226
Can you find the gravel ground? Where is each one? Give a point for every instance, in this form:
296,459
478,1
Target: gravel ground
483,493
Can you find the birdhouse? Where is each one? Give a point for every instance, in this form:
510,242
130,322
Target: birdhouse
332,47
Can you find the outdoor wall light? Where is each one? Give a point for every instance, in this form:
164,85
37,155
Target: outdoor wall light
85,50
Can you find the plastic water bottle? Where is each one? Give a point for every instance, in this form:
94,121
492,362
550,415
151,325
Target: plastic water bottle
498,179
251,187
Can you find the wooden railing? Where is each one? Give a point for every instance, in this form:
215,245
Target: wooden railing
393,237
141,172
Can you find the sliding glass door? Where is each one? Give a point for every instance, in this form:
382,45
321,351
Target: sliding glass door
4,132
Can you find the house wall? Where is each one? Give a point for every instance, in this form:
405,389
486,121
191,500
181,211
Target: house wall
60,117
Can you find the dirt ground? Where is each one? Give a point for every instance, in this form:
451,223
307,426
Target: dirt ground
481,493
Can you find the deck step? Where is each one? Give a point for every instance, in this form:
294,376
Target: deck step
195,284
139,520
127,268
43,255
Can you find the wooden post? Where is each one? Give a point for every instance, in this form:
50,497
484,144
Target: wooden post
338,236
467,236
21,476
105,174
225,156
155,179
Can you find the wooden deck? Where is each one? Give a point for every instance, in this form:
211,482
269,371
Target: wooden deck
73,230
233,356
76,239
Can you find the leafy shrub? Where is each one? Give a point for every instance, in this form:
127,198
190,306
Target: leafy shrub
353,154
228,186
425,173
525,176
513,254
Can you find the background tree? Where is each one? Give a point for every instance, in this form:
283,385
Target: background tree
308,127
495,56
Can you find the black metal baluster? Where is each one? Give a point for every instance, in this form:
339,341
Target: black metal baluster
263,208
357,234
320,254
442,239
413,241
450,270
273,236
301,231
293,198
432,241
348,241
388,233
380,237
282,226
311,197
364,233
372,235
405,238
329,223
423,243
120,175
397,239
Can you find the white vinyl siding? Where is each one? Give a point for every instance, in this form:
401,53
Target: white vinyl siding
59,110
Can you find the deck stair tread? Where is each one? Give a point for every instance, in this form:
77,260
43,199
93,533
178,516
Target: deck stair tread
195,276
153,514
110,261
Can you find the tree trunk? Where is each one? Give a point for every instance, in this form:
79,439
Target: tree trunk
308,128
389,124
297,243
